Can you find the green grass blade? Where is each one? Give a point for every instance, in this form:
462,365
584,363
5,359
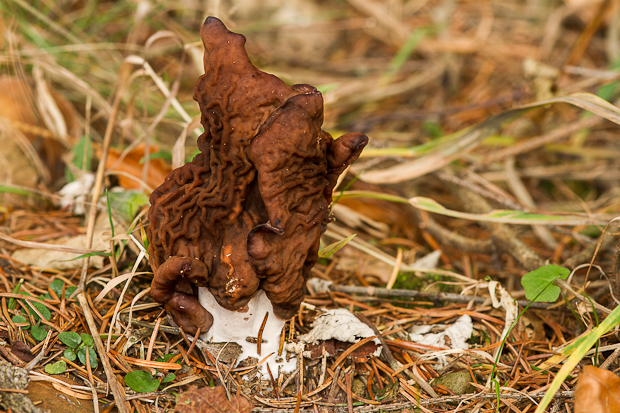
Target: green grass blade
511,216
586,341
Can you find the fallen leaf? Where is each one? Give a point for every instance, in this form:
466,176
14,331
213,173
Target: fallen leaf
399,218
211,400
449,336
21,350
597,391
341,326
60,260
132,164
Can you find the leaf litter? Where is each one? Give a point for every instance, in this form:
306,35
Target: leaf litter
494,143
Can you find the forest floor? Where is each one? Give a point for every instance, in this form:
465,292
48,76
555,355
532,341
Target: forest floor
492,155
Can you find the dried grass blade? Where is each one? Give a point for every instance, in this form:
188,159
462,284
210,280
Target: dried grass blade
504,216
110,286
453,150
149,353
46,246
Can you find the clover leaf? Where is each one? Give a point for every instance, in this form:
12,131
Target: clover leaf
540,285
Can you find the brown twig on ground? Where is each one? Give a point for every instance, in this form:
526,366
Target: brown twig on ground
434,297
151,326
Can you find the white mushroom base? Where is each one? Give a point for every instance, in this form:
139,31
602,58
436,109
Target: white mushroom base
236,326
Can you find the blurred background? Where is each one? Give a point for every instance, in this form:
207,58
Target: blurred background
412,75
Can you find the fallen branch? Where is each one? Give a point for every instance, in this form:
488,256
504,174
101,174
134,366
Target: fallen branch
448,297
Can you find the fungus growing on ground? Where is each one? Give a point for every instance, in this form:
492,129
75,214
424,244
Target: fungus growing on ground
234,233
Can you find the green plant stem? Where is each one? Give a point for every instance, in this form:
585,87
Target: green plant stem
501,347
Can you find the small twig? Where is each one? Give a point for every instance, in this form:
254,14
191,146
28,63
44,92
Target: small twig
194,340
302,372
610,359
230,368
347,379
374,368
23,391
91,386
334,388
89,369
298,402
259,338
323,367
146,395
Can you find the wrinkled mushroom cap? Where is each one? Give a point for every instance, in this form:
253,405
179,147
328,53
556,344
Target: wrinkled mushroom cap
251,206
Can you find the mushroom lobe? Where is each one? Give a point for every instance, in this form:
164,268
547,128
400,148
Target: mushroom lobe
247,212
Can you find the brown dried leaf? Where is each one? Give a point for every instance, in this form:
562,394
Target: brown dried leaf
211,400
597,391
21,350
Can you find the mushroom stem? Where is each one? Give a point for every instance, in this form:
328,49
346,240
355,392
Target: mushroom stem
238,326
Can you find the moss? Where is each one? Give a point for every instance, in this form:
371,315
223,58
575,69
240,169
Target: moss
409,281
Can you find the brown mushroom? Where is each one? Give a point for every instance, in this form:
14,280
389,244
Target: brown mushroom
247,212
